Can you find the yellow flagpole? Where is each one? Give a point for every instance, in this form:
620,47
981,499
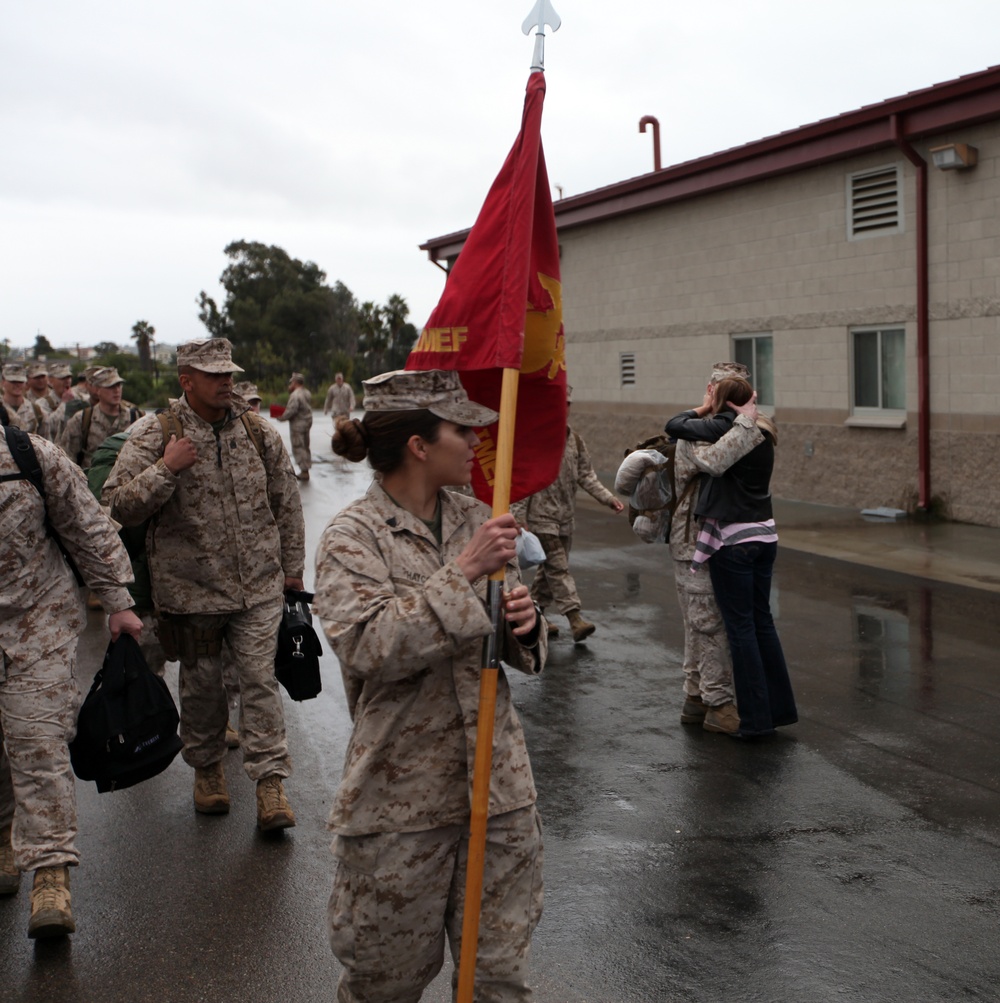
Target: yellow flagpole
487,705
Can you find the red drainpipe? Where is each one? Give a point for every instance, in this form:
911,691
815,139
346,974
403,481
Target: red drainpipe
652,120
923,319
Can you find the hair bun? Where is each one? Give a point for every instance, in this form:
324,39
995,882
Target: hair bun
350,439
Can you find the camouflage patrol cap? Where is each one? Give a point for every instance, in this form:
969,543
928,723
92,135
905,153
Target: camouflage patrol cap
296,378
37,369
723,370
106,377
90,370
214,355
14,373
60,371
435,390
247,391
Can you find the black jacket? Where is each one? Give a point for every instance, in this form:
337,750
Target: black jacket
742,493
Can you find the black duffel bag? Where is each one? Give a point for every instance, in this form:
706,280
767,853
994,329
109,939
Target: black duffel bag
296,661
126,731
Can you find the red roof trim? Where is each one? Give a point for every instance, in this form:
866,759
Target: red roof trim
965,101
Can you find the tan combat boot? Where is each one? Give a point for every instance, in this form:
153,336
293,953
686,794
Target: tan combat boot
552,629
580,627
724,719
210,794
10,876
232,737
51,912
693,711
273,809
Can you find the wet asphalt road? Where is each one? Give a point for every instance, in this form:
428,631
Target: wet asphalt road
853,858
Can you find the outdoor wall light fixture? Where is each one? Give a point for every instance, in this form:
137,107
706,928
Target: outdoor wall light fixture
954,156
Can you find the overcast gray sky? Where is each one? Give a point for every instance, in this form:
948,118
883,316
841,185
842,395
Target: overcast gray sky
138,139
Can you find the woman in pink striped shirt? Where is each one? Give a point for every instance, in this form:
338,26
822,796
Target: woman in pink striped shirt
739,541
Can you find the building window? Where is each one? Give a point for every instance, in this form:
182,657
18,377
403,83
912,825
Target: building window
879,359
756,352
874,203
626,367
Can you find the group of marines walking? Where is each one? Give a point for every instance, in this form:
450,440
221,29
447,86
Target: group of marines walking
400,582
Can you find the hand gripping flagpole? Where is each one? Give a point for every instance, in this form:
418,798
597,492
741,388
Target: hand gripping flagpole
541,15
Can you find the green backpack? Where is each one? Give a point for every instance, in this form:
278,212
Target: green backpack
134,537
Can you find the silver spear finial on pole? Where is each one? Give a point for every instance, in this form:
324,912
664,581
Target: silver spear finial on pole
542,14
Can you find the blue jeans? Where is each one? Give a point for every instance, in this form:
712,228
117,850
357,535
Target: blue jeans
741,577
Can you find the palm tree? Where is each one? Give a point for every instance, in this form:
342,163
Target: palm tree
374,340
395,313
143,332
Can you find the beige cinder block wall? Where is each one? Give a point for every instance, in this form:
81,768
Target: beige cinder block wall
673,285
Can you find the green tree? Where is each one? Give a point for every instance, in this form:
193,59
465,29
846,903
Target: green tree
281,315
42,347
374,337
402,334
142,333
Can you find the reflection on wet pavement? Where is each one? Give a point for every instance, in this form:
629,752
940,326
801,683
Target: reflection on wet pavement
853,857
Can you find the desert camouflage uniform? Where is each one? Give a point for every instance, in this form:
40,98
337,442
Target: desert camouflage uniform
339,400
48,402
298,412
550,515
708,671
29,417
41,617
226,534
408,629
101,426
58,419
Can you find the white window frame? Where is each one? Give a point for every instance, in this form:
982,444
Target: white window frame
753,337
880,416
880,231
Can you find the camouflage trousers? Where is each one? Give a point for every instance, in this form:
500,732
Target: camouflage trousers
553,584
38,708
252,636
397,896
299,435
149,643
708,671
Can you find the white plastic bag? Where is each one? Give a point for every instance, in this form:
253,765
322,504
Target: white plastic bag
529,550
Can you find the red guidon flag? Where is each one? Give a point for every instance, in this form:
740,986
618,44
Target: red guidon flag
502,309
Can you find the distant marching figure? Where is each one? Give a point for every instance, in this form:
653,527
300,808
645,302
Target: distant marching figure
298,412
550,514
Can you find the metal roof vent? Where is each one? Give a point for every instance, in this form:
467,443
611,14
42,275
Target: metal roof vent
874,203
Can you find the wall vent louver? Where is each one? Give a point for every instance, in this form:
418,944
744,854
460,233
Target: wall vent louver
874,202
